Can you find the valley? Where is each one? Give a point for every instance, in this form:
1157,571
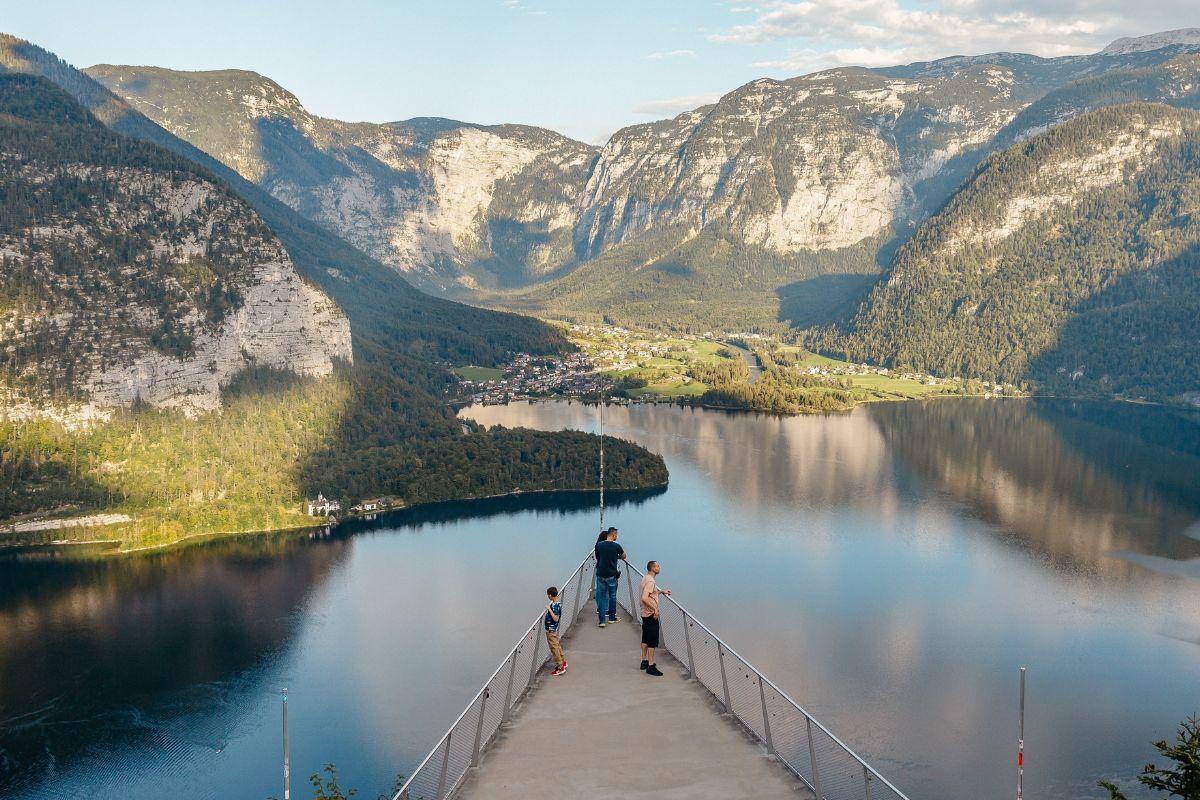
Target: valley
622,365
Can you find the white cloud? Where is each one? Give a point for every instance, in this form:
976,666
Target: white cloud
670,106
882,32
518,6
671,54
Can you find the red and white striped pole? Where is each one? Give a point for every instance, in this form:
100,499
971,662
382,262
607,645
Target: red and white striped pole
1021,744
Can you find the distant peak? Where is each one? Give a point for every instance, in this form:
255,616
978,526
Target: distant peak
1153,41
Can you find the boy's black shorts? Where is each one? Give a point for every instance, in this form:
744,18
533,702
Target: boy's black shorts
650,631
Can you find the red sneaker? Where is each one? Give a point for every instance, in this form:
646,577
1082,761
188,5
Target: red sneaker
560,670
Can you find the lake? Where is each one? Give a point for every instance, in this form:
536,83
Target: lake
890,568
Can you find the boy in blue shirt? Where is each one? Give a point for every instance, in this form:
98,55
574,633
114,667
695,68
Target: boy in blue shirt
553,614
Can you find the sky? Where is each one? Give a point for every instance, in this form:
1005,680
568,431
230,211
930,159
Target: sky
580,67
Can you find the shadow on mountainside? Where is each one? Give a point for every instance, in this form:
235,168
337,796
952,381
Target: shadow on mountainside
1142,330
823,300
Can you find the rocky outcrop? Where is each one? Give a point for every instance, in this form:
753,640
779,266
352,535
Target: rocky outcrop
449,203
1064,183
814,163
129,275
282,323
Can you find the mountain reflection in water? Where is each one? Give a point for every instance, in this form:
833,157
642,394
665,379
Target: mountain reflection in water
890,568
1076,482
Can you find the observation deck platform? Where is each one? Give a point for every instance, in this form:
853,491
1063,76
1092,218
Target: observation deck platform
711,726
606,729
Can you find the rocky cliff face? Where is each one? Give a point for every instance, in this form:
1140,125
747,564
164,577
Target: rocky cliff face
130,275
820,162
450,203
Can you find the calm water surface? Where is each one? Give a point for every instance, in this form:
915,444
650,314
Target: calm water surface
890,568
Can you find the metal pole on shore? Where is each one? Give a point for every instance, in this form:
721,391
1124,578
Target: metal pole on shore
602,464
1021,743
287,770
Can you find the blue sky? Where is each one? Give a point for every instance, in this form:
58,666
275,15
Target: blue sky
582,68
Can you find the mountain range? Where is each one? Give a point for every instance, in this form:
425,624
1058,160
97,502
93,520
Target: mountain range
192,241
784,198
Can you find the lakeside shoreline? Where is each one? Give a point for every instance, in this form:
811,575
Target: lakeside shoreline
109,548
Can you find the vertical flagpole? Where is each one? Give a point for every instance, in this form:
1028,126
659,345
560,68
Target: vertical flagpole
1021,743
287,771
601,464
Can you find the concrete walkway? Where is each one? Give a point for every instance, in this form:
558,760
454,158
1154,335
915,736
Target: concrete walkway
605,729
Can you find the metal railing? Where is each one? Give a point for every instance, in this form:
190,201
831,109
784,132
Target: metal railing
806,747
464,744
802,744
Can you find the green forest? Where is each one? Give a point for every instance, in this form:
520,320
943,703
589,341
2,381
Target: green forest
1095,297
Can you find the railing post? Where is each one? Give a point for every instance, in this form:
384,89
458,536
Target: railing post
724,680
812,758
441,792
762,695
687,637
533,668
512,672
578,592
633,609
867,780
479,728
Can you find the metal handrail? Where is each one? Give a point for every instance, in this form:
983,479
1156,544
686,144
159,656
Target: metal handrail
444,778
444,790
869,772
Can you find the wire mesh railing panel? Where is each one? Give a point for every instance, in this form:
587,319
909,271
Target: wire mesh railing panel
707,656
841,775
446,767
672,637
423,785
493,713
462,746
523,663
743,692
789,733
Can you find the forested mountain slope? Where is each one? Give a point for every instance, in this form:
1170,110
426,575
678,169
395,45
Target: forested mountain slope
380,303
1070,260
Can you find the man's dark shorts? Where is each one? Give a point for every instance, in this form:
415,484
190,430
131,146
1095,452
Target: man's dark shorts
650,631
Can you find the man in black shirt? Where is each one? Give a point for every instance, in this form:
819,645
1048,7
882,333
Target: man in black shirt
608,553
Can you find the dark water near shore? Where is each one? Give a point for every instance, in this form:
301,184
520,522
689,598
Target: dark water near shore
890,568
